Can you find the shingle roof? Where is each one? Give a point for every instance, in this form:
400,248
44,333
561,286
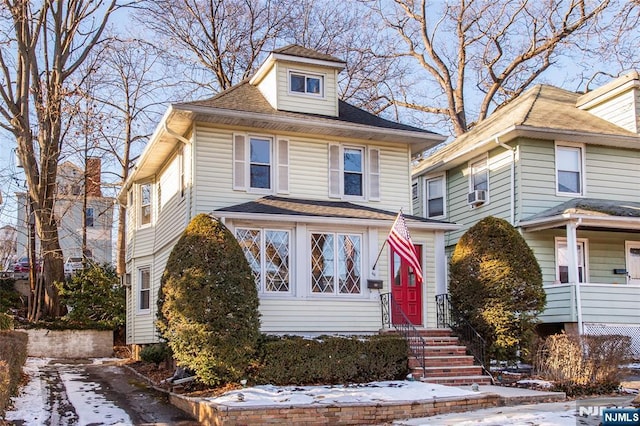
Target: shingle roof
247,98
303,52
273,205
591,207
541,107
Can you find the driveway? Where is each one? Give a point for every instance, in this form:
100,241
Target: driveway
66,392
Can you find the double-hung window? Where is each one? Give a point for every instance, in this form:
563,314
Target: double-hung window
310,84
562,260
336,263
569,170
145,204
260,163
434,188
144,290
354,172
268,253
88,217
479,175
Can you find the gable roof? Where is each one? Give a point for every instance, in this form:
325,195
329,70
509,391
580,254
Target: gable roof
545,112
320,211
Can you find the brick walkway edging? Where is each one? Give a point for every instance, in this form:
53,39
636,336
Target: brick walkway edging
212,414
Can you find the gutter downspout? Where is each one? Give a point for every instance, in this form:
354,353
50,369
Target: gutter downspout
513,178
185,141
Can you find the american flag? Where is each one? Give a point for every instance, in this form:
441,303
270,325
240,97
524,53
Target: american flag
400,241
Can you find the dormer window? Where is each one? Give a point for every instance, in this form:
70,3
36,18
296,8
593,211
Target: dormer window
310,84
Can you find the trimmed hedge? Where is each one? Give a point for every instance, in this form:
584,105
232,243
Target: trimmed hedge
331,360
13,355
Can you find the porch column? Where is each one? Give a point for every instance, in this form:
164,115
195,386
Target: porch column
574,277
440,259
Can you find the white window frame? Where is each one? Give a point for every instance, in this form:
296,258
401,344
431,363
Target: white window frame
336,284
362,172
141,206
584,243
583,178
262,284
87,216
272,164
483,159
306,75
140,309
425,206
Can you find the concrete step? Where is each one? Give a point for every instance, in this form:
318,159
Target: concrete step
442,361
457,380
447,371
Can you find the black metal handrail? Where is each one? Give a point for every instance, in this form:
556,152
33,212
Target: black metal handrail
449,316
393,316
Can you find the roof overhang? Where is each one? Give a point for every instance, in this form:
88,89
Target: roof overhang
313,125
327,220
460,157
583,221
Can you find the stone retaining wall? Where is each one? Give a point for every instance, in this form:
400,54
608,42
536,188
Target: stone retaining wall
213,414
70,343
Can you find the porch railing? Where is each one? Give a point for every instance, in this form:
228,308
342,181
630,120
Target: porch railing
449,316
393,316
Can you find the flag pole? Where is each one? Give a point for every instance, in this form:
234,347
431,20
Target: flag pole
385,241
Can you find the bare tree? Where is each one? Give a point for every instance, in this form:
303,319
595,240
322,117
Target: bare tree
493,50
45,43
223,38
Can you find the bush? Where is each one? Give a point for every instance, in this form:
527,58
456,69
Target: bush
6,321
583,365
331,360
208,303
156,353
13,354
94,297
9,297
496,285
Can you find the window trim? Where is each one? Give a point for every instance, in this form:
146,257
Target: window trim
425,206
140,206
363,172
139,290
583,171
306,74
584,242
371,172
336,294
262,285
484,158
272,164
87,216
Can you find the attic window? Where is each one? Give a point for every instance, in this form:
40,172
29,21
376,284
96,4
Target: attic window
310,84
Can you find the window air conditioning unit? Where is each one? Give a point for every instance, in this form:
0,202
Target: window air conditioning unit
477,197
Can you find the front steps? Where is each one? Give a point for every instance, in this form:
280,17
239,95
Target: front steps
446,361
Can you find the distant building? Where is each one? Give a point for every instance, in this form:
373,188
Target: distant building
69,212
7,246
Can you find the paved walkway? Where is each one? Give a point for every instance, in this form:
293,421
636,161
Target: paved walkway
67,392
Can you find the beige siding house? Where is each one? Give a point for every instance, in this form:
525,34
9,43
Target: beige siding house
564,168
309,185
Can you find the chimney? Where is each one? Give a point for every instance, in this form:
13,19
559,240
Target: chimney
94,169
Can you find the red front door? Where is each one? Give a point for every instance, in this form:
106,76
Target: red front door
405,290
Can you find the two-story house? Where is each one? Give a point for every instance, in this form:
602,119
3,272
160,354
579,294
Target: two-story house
309,185
80,223
564,168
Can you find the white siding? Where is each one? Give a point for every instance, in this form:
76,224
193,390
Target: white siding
621,110
325,105
268,86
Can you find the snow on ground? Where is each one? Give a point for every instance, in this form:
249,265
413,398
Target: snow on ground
33,407
369,392
554,414
535,382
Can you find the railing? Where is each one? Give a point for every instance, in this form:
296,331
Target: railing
393,316
449,316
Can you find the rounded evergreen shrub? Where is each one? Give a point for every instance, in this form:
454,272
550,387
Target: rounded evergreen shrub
156,353
496,284
208,303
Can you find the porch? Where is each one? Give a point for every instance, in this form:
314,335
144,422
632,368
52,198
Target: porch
596,308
